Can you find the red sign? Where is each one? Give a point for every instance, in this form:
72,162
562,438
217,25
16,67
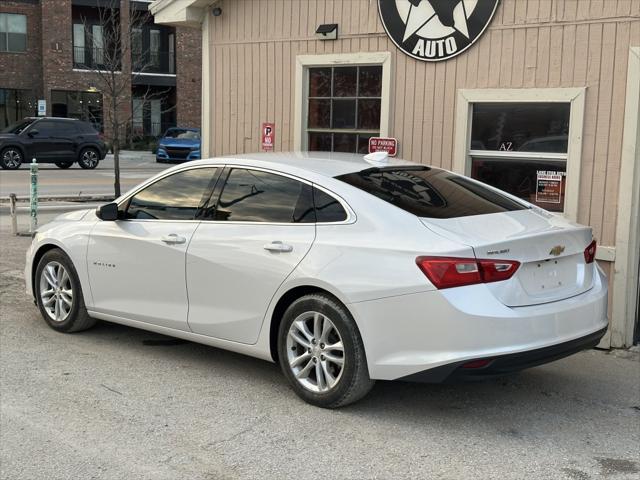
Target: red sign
268,135
381,144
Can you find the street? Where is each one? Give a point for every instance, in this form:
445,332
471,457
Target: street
134,168
115,403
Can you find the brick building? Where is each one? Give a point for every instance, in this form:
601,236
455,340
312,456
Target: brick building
50,49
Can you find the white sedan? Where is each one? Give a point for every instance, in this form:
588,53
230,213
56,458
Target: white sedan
342,269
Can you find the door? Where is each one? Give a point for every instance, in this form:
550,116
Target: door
41,135
137,265
242,251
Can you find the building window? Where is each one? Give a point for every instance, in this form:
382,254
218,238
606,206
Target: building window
153,111
521,148
78,44
13,32
526,141
15,105
152,49
343,107
86,106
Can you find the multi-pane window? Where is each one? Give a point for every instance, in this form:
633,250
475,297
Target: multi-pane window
522,148
13,32
343,107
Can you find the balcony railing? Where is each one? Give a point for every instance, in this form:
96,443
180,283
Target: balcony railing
92,58
153,62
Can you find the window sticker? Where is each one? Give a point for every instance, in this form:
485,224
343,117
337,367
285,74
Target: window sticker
549,186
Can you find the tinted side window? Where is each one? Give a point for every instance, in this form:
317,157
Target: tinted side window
430,192
256,196
66,129
45,128
176,197
85,128
328,209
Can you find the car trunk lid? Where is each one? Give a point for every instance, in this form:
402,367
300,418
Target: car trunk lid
549,248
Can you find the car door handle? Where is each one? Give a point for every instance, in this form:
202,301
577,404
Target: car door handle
173,239
278,246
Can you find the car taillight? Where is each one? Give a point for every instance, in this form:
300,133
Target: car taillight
101,136
448,272
590,252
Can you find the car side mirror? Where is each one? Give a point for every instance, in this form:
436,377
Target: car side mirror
33,132
108,212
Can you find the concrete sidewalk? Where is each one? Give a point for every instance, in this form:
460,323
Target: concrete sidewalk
116,402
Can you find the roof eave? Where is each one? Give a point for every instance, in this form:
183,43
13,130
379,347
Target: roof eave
180,13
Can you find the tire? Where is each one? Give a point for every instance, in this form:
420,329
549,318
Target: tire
57,313
63,165
11,158
89,158
301,353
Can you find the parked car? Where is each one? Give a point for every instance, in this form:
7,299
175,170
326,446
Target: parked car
179,145
62,141
341,271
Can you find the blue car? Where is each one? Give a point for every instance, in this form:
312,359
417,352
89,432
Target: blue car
179,145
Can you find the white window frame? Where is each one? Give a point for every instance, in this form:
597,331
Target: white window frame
574,96
304,62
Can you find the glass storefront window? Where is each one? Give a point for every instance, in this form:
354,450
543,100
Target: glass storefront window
520,127
16,105
521,148
85,106
343,107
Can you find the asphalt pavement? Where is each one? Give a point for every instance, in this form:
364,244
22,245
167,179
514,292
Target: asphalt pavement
134,168
116,402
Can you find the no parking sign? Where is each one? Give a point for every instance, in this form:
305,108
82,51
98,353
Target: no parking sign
268,136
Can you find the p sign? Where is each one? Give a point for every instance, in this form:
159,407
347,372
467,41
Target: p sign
268,136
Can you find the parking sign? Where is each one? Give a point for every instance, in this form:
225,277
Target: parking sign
268,136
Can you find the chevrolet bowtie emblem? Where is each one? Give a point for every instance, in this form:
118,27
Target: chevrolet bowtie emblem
557,250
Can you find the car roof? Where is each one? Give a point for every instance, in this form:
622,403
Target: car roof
63,119
328,164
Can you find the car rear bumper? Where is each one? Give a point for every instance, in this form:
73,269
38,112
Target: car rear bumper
506,364
412,334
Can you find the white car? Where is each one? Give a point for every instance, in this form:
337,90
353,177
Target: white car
341,268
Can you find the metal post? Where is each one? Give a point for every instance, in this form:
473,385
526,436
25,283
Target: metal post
33,197
12,211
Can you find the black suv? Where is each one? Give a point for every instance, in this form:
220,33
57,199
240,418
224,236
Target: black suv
62,141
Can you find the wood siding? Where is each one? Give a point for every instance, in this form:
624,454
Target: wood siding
530,43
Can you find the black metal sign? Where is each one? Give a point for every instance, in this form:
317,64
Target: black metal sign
434,30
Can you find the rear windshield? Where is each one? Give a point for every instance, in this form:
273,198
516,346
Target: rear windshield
430,192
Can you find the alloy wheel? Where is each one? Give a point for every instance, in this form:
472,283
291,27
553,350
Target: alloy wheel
11,158
56,291
89,158
315,352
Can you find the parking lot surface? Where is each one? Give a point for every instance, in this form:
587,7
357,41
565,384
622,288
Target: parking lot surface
116,403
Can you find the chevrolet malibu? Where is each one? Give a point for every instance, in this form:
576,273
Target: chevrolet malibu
340,268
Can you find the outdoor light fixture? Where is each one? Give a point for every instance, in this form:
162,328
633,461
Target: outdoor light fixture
217,11
328,31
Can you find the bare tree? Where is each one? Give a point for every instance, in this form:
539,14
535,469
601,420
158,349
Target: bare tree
112,49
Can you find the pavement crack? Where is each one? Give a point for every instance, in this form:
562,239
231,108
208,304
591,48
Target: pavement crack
111,389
